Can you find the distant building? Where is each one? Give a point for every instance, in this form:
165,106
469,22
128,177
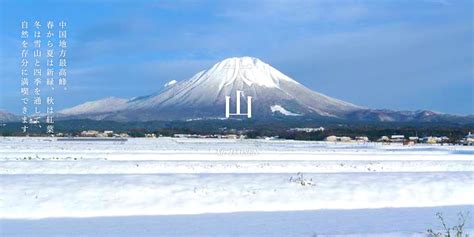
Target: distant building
415,139
233,136
362,139
227,136
434,140
468,139
331,139
397,138
121,135
94,133
271,138
150,135
384,139
89,133
411,140
338,139
345,139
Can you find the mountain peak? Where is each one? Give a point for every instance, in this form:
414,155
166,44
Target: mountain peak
245,70
246,60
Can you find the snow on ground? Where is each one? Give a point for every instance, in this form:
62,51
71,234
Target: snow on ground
40,196
212,187
385,222
102,166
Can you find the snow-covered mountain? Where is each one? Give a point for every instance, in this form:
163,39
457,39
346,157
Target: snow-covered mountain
203,96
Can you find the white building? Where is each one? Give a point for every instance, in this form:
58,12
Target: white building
331,139
362,139
397,138
415,139
89,133
338,139
384,139
468,139
434,140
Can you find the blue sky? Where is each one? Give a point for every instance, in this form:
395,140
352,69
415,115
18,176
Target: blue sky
394,54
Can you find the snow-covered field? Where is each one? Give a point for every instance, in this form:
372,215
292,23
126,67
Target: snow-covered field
212,187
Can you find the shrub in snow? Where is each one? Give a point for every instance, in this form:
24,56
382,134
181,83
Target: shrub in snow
300,179
455,231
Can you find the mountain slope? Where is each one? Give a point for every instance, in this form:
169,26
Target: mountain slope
7,117
100,106
384,115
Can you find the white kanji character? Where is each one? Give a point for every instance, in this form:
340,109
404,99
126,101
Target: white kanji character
50,25
24,25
